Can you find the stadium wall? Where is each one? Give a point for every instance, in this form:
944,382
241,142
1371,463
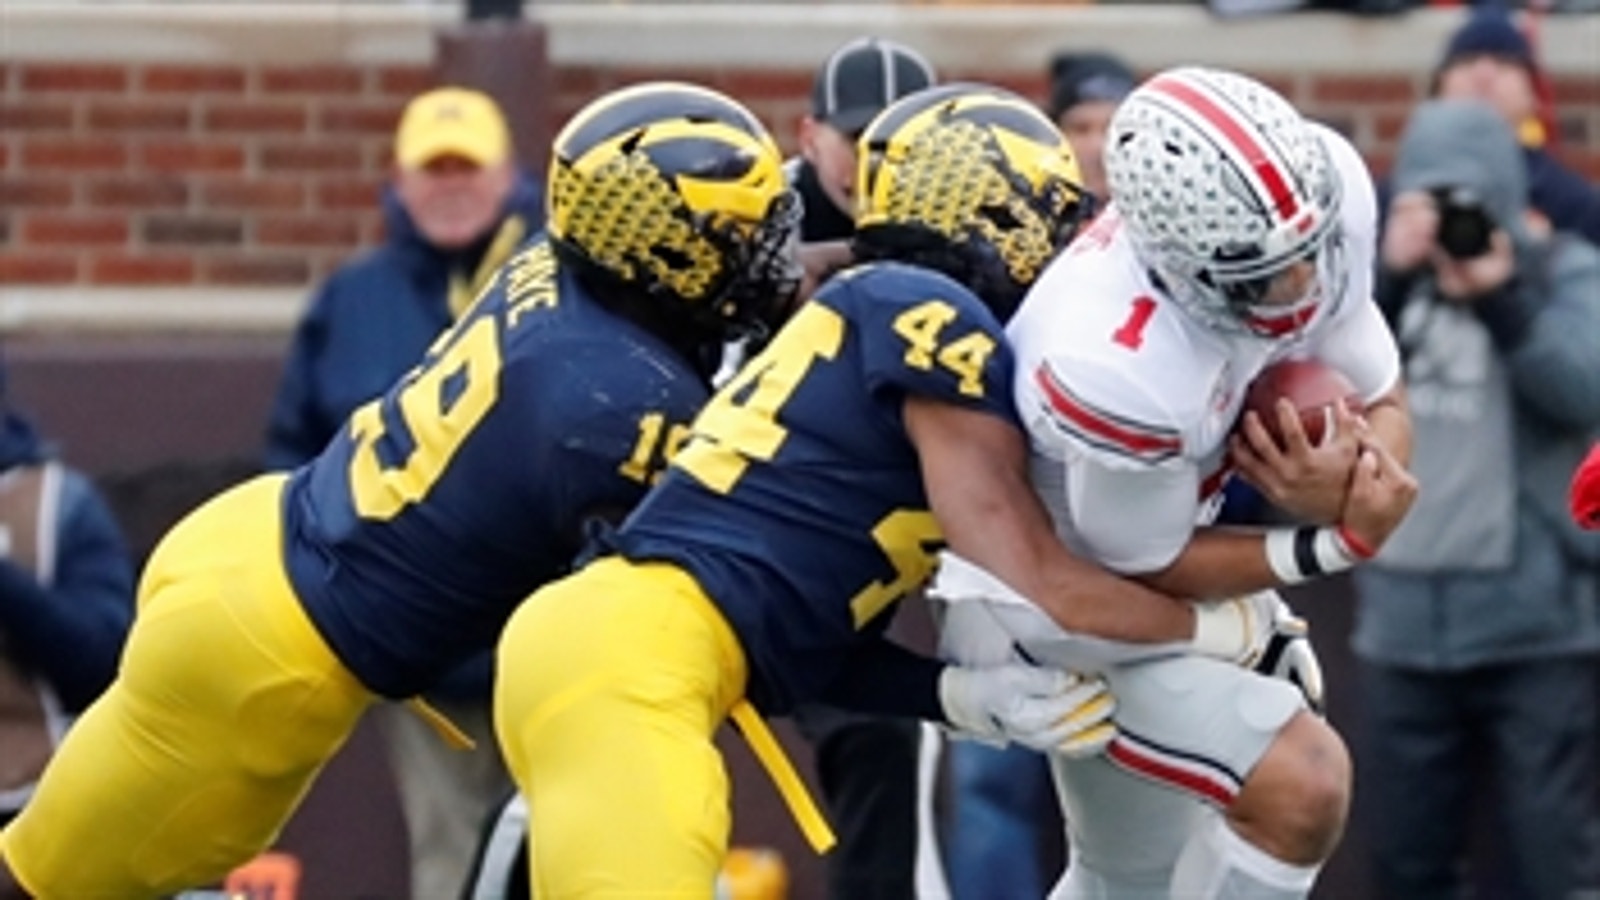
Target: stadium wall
174,178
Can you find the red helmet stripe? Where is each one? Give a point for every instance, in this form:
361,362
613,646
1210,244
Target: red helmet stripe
1277,186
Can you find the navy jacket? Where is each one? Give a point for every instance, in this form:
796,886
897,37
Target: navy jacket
69,632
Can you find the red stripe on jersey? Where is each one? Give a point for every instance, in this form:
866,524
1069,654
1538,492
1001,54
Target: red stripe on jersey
1136,760
1276,184
1125,435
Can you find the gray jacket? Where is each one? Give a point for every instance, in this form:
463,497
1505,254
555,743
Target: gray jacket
1505,400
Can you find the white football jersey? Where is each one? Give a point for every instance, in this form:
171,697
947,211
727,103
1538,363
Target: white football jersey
1129,400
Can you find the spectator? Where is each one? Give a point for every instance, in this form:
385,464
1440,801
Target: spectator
1085,89
455,208
1490,59
66,598
1476,629
867,766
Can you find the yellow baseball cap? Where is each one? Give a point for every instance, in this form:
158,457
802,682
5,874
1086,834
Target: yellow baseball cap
452,121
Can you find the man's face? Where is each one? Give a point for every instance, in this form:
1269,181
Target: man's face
453,200
833,154
1084,126
1502,83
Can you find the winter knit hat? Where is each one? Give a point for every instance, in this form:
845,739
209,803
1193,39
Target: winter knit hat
1490,32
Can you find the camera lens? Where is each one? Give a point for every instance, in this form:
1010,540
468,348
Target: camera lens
1464,225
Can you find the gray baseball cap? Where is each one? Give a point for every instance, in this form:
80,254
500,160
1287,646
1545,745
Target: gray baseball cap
864,76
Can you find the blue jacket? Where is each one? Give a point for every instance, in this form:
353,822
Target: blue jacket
370,322
69,632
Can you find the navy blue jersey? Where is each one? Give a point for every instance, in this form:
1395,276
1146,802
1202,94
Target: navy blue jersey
445,502
798,502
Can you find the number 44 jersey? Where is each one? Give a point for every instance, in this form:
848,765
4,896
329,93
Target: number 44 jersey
445,502
797,503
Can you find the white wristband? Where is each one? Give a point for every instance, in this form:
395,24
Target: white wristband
1301,554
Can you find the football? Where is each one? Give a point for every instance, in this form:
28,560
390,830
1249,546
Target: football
1310,385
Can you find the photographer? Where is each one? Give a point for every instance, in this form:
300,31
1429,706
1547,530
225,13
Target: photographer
1477,628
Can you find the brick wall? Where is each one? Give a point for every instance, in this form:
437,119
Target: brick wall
264,172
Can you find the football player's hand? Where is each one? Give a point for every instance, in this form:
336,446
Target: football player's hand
1309,482
1239,629
1043,709
1289,655
1381,493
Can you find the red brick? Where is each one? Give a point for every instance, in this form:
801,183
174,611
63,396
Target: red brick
320,80
148,192
35,115
1364,89
5,230
1575,92
256,269
119,268
29,191
248,194
72,154
349,194
307,231
359,119
1387,126
33,267
280,156
405,81
752,85
72,77
191,157
193,79
5,154
192,231
255,118
77,230
581,81
1573,131
133,115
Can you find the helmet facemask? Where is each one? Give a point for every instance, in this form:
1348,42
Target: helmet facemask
764,270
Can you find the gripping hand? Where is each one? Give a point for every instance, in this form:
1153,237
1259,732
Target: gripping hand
1042,709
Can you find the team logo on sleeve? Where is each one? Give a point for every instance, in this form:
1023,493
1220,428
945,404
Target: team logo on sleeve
1101,428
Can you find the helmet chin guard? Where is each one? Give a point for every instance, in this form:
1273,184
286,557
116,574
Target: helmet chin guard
1225,191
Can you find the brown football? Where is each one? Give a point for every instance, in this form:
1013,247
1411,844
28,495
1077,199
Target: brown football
1310,385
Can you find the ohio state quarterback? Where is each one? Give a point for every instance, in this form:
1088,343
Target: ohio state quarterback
1238,234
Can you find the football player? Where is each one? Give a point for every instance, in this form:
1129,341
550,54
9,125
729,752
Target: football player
1238,234
275,614
816,487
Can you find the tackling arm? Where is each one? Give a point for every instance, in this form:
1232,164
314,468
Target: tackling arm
975,469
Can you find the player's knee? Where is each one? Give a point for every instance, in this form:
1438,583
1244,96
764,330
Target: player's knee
1296,800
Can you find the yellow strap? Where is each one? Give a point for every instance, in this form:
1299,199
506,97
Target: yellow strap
790,787
448,730
463,291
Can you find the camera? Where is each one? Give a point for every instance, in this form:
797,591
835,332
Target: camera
1464,223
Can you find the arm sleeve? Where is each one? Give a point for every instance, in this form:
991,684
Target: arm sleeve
1555,368
883,678
71,633
1360,344
1130,520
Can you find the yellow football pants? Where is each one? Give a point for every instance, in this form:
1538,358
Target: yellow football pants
227,705
611,684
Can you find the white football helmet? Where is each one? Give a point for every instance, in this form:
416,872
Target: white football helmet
1223,186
